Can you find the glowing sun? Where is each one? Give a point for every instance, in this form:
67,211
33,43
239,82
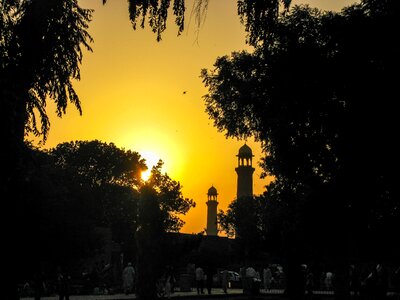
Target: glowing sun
151,160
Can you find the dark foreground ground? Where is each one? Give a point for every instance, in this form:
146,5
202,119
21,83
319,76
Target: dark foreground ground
216,293
236,294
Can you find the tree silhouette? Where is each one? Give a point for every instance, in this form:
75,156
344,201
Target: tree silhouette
160,204
76,188
258,16
149,237
113,177
318,96
99,163
244,220
58,215
40,51
171,200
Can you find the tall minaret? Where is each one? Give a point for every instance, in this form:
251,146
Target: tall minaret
212,204
245,172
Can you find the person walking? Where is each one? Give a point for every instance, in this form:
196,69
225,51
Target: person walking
328,281
224,281
199,280
250,276
128,277
355,281
63,285
38,286
169,282
267,278
168,285
309,282
209,279
382,282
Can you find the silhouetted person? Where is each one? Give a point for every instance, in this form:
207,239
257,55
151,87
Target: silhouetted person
267,278
381,282
169,282
128,278
309,282
199,273
224,281
94,277
173,279
250,277
243,279
63,285
396,280
355,280
38,286
370,282
209,279
328,281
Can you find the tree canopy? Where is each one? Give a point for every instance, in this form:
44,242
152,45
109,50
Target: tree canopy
319,96
111,175
258,16
75,190
41,50
171,200
100,163
112,172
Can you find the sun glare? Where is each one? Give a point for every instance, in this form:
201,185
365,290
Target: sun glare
146,174
151,160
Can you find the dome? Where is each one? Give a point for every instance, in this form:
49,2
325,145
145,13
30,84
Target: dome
212,191
245,151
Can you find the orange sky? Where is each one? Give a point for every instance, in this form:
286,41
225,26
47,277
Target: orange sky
132,95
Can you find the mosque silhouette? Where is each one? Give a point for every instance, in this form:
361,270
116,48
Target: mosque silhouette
244,171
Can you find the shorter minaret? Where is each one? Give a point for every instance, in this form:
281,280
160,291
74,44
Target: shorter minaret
212,204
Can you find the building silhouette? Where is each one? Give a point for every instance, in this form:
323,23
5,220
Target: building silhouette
245,172
212,204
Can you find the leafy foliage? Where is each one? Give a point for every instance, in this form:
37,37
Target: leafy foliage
113,177
78,187
171,200
157,13
99,163
41,49
319,98
244,220
258,16
114,174
149,238
57,217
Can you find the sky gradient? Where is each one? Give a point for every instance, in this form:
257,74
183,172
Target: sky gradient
146,96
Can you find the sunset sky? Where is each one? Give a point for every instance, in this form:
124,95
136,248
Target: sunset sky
146,96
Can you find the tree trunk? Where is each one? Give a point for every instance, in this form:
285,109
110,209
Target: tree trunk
295,279
12,180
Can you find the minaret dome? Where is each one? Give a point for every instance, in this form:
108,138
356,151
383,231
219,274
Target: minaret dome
245,151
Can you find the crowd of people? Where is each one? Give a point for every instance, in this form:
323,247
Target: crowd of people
39,286
371,281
